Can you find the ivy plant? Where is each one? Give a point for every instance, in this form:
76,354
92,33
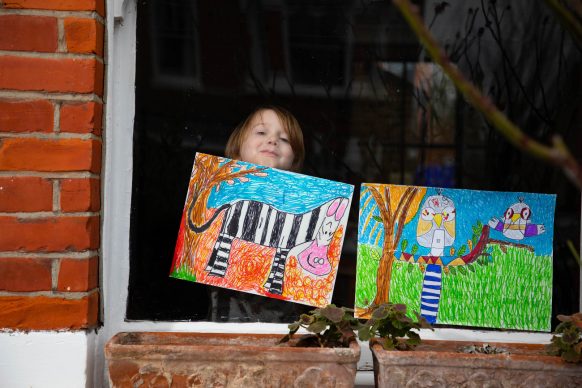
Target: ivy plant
567,341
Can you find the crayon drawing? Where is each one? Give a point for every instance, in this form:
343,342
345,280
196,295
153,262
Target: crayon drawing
262,230
457,257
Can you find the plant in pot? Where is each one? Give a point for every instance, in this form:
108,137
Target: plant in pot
218,359
459,363
392,328
567,341
327,327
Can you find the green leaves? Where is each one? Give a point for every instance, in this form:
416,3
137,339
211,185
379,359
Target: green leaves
567,341
414,249
390,322
330,326
334,314
462,250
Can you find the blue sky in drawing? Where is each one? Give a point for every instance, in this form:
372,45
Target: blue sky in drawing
286,191
472,206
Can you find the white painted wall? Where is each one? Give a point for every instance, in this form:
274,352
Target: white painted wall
46,359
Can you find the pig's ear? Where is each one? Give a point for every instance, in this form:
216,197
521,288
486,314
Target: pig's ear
333,207
341,209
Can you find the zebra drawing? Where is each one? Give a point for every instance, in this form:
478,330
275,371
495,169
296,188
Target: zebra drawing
305,235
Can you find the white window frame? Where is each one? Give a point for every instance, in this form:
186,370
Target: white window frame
117,181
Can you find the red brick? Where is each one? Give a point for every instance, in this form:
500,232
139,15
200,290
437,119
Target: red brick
46,313
28,33
82,118
25,274
50,234
78,275
59,5
80,195
51,75
25,194
32,154
26,116
84,36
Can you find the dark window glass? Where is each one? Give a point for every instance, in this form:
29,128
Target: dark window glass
372,108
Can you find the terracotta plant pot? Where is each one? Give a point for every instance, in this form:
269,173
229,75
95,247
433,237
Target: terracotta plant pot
443,364
165,359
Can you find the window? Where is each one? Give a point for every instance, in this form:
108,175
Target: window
372,110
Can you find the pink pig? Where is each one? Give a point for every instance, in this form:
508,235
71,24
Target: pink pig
314,258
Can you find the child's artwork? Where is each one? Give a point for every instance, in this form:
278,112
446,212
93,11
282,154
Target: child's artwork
457,257
262,230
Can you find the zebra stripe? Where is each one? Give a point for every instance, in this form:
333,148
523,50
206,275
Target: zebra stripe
285,231
243,215
312,223
251,221
294,231
277,229
302,232
262,224
269,229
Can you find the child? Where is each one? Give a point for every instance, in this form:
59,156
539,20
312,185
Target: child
270,136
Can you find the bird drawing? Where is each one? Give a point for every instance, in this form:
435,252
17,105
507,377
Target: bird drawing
436,224
516,222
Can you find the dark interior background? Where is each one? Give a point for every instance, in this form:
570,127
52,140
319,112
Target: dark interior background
372,110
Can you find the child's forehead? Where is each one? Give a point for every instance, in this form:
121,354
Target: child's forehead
262,117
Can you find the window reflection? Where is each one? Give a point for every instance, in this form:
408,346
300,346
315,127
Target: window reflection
372,110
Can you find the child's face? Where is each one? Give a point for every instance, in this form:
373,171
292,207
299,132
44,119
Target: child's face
266,142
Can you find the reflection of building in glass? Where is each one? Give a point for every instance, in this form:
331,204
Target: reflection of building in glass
371,107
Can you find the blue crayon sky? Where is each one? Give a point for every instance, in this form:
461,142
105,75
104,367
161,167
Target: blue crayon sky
474,205
287,191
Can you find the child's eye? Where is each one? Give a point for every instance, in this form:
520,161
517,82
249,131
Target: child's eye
285,140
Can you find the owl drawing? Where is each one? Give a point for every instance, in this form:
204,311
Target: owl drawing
436,224
516,222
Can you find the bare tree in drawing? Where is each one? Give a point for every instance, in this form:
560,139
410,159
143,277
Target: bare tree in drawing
397,207
208,176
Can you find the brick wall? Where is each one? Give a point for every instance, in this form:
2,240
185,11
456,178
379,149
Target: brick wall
51,107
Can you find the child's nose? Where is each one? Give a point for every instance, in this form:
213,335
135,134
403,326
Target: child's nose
272,140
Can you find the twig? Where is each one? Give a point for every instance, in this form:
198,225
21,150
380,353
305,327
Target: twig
557,154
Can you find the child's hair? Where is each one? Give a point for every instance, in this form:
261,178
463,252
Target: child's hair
290,125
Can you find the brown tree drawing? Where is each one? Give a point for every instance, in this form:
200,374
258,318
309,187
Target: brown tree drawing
207,176
397,206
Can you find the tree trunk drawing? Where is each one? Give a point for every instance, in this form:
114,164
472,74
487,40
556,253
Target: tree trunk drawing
396,209
208,176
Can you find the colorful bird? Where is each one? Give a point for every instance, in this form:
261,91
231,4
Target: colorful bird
516,222
436,225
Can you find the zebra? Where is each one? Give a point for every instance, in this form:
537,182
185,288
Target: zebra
308,233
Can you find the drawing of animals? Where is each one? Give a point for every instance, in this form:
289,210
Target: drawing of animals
306,236
261,230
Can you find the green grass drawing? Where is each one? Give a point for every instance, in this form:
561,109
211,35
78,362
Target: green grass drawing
183,272
514,291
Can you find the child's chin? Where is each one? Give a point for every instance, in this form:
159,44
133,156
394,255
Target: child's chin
268,162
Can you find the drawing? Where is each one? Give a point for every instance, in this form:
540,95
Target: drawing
262,230
444,253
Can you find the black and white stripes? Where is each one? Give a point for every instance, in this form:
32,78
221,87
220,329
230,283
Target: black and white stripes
262,224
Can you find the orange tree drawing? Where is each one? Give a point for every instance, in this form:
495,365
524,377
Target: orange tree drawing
208,175
397,206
